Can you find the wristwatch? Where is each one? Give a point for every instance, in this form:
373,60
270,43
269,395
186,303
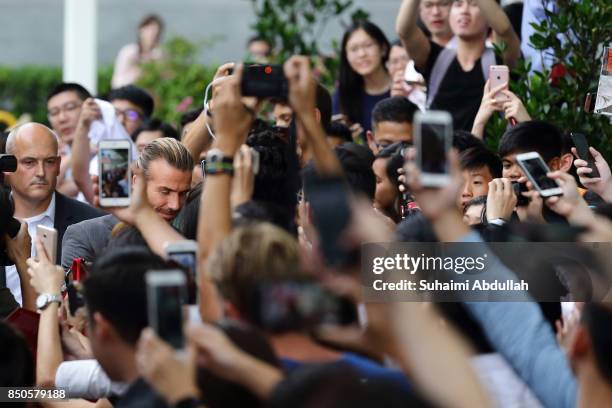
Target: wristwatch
45,299
218,163
498,221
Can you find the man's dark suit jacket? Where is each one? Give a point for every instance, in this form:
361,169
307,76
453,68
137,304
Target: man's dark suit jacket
67,212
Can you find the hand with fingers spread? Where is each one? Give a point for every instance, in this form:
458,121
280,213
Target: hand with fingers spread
44,276
243,181
513,107
601,185
173,376
501,199
488,105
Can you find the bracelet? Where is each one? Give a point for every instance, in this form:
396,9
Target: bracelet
219,168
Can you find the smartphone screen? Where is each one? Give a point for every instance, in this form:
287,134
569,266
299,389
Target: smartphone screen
582,148
187,259
169,314
537,169
433,148
114,175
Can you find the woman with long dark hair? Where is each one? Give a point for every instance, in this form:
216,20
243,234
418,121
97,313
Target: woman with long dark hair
364,79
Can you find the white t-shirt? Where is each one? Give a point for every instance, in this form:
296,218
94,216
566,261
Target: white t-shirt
86,379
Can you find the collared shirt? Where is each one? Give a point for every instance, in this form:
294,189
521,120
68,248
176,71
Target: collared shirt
47,218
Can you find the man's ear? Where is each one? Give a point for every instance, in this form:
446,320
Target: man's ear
371,142
565,162
101,327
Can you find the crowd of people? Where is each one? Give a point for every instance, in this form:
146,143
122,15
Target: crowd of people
278,196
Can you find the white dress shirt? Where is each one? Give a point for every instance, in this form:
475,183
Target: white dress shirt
47,219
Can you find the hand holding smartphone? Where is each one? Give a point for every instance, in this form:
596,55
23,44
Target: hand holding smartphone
499,75
48,237
582,149
114,176
433,136
535,168
185,253
166,292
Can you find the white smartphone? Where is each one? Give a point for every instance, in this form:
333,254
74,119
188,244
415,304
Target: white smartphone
48,236
114,176
433,137
185,253
535,168
498,75
165,299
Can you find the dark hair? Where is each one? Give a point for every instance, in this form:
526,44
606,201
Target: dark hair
136,95
190,116
153,125
16,359
116,289
598,321
396,109
272,183
356,161
393,152
257,211
539,136
219,392
257,38
340,130
148,19
478,157
324,105
350,83
463,140
339,384
80,90
397,43
127,235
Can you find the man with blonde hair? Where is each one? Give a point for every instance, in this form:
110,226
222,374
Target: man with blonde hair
168,166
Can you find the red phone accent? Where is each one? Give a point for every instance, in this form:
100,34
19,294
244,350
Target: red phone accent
26,322
268,70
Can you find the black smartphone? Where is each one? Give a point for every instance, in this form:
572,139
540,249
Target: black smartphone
166,294
265,81
331,212
299,305
521,200
582,148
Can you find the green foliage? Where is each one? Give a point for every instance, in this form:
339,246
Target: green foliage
295,27
177,80
574,35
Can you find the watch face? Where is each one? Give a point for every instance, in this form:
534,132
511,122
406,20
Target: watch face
41,301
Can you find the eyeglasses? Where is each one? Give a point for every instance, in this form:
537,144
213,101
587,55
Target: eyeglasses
130,114
67,107
366,47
